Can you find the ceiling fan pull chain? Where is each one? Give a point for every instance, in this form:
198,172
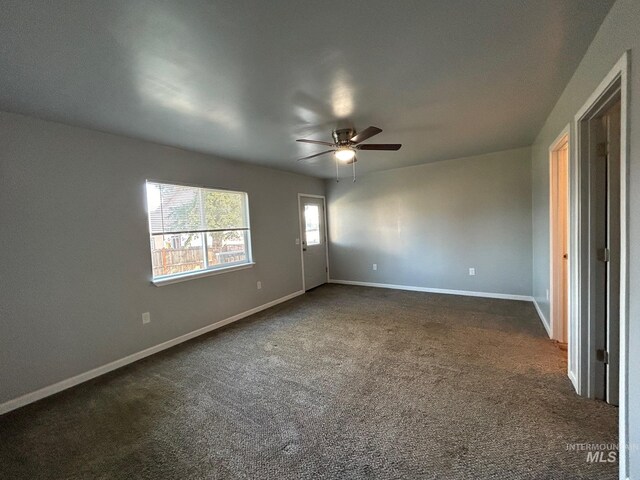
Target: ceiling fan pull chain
337,177
354,170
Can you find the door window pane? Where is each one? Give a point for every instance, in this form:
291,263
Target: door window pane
312,224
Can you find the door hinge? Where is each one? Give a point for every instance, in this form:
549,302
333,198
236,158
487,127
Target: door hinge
602,149
604,254
602,356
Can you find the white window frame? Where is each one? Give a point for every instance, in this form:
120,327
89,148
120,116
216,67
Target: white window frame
208,270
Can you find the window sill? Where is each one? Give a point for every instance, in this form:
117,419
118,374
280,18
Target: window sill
159,282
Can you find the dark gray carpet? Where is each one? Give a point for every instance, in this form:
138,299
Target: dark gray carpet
344,382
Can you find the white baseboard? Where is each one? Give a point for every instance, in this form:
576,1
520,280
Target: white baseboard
545,322
96,372
503,296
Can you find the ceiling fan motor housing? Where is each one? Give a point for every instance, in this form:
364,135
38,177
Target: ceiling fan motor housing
343,136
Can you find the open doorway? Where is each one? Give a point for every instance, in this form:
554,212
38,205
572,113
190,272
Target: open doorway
599,250
604,149
599,131
559,233
598,245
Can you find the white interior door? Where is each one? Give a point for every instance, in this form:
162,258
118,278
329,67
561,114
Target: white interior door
314,240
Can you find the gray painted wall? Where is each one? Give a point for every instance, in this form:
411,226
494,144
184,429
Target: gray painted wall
426,225
74,255
619,32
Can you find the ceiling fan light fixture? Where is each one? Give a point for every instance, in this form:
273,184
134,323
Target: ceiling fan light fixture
344,154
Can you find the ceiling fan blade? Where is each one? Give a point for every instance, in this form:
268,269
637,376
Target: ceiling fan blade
316,142
315,155
353,160
380,146
364,134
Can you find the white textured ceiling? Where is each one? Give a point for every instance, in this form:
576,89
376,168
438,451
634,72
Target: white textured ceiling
244,79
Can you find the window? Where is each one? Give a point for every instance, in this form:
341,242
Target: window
312,224
196,230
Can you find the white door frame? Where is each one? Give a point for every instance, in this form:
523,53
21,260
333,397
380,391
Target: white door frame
579,303
555,325
326,233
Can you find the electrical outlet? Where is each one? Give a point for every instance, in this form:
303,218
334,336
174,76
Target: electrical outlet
297,241
146,318
375,266
259,284
472,271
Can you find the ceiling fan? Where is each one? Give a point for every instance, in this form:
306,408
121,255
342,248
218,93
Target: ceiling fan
345,144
